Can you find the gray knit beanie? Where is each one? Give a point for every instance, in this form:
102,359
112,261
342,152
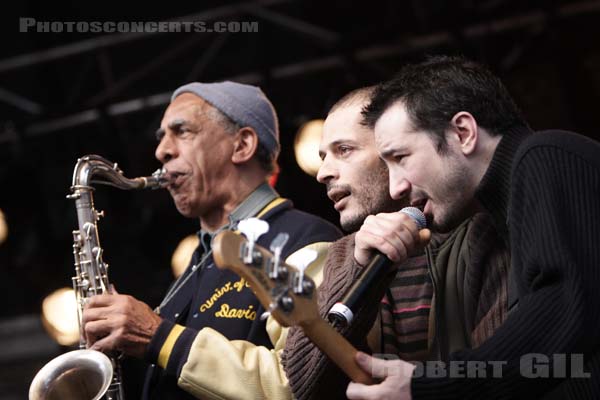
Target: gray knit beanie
246,105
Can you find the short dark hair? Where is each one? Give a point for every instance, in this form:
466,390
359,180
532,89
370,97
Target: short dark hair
264,156
357,96
436,89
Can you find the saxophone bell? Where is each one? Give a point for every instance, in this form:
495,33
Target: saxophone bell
78,374
87,374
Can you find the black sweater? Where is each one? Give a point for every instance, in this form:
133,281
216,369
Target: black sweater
543,190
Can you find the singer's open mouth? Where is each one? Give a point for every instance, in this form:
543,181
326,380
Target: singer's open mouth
337,195
420,204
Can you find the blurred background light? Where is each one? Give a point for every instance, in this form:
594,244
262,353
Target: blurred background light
3,228
59,316
306,146
183,254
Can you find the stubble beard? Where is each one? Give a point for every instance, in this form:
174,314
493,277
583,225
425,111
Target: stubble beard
457,205
372,196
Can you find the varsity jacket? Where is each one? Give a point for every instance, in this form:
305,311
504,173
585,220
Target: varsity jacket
212,342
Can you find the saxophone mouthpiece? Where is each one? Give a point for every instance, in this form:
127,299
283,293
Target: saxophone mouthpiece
158,180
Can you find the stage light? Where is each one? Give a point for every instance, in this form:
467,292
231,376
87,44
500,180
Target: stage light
306,146
183,254
59,316
3,228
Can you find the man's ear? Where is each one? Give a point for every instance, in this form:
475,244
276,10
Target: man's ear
244,145
465,130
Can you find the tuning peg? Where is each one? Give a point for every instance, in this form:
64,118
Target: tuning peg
252,228
281,300
265,315
300,260
276,247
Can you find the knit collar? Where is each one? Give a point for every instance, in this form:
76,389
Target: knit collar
494,189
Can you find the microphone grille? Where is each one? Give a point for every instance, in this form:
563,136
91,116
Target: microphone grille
417,215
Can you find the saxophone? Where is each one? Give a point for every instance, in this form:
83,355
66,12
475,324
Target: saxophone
89,374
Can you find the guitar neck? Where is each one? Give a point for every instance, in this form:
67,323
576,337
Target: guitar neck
336,347
227,250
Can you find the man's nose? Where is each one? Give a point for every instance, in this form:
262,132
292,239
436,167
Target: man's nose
327,171
166,149
399,188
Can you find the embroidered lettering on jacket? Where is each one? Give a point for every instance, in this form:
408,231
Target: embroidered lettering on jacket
219,292
239,313
239,285
216,296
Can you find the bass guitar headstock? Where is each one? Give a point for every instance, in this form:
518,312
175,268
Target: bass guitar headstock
283,289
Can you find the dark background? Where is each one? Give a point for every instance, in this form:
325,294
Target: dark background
63,95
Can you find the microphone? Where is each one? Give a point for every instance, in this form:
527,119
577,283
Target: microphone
342,312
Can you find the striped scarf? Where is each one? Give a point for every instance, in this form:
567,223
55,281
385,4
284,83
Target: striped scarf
405,311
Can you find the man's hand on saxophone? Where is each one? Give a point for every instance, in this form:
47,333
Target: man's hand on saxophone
119,323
